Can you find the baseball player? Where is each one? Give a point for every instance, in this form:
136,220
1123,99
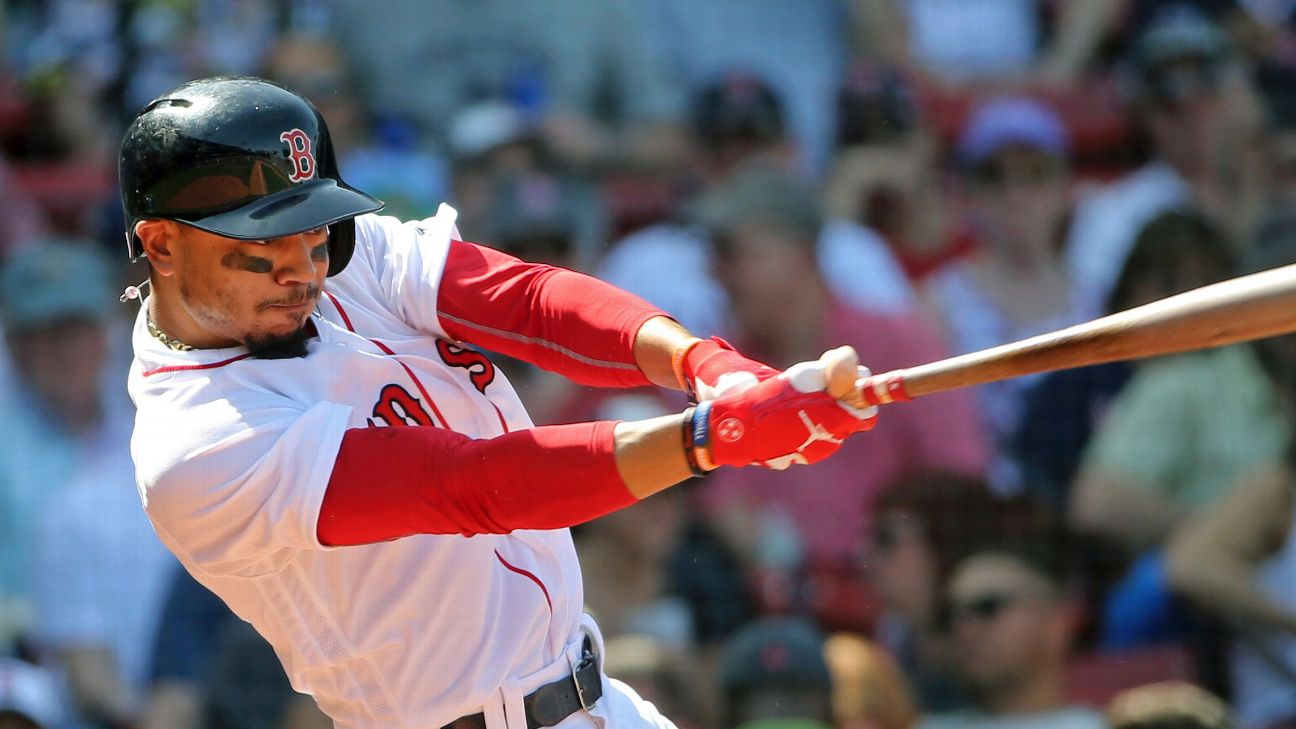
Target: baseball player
321,444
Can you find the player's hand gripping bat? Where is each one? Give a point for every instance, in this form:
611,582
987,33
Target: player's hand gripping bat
1238,310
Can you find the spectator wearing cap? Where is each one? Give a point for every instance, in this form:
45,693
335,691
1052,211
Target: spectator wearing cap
888,172
764,229
77,547
774,675
55,300
739,125
1201,115
29,697
799,49
1013,157
1012,621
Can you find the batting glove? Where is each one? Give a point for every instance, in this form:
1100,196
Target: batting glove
711,367
784,420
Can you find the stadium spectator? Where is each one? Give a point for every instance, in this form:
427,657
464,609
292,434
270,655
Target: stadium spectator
585,73
924,524
1202,116
1178,436
1236,560
775,670
210,670
800,49
65,415
99,575
739,125
887,174
764,228
1013,154
1012,619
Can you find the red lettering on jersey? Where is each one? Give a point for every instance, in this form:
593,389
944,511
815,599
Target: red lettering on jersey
397,407
480,370
299,151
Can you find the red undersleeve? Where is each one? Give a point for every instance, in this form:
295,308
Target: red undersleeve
394,482
559,320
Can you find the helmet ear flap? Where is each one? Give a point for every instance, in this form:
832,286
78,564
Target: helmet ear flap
341,245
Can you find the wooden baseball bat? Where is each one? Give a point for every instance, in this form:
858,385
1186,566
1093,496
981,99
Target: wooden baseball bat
1237,310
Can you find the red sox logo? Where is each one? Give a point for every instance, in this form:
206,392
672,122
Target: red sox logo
300,154
397,407
480,370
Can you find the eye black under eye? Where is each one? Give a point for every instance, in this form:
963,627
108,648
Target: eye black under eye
320,252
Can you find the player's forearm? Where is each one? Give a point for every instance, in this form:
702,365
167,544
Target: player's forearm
1226,587
657,345
394,482
650,454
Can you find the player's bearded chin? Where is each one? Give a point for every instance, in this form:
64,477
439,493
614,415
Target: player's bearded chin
284,346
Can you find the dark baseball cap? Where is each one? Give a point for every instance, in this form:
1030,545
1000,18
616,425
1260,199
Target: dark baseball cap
775,651
875,104
761,192
739,105
1180,51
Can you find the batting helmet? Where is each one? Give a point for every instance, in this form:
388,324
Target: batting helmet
239,157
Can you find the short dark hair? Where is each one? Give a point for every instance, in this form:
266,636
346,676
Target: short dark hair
1163,244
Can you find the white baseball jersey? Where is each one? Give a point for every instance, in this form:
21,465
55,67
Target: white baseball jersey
233,456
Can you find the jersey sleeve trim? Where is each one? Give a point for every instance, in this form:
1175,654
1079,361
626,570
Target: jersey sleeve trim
557,319
546,344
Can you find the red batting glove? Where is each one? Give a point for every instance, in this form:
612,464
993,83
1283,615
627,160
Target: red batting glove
712,367
785,420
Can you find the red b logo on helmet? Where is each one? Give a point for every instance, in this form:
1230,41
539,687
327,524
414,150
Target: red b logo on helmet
299,151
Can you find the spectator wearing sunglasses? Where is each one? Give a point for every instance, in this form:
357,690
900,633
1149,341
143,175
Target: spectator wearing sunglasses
1012,621
1202,117
1014,161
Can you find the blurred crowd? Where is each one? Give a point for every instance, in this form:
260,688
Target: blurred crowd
1105,547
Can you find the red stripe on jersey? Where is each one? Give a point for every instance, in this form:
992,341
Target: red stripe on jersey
559,320
417,382
527,575
338,305
208,366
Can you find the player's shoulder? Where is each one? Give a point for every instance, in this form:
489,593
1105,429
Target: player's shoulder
377,236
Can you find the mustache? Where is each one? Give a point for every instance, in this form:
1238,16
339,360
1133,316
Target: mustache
306,295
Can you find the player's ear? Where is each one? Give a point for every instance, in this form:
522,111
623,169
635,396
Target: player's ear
158,238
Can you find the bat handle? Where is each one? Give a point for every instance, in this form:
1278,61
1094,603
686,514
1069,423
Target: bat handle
883,389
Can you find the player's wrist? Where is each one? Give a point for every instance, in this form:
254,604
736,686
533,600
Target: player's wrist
696,436
679,364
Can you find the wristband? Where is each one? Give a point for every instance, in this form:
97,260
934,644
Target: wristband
686,435
700,436
677,364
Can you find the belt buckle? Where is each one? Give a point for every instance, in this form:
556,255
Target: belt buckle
587,657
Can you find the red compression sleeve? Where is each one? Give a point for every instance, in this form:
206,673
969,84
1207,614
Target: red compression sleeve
394,482
559,320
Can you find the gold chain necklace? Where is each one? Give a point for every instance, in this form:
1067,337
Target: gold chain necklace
169,341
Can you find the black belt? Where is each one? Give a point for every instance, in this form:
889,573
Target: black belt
553,702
